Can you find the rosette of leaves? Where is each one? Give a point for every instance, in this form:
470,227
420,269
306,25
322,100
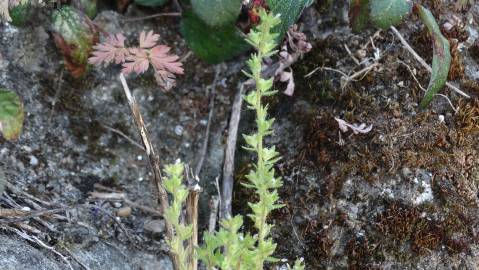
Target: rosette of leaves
210,31
74,34
11,114
387,13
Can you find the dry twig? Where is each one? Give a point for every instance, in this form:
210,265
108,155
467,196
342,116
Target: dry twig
153,159
423,63
211,106
133,142
36,240
192,219
228,166
167,14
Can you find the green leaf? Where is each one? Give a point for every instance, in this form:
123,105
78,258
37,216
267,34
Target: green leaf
74,34
358,14
217,12
11,114
151,3
385,13
441,60
89,7
290,11
214,45
21,13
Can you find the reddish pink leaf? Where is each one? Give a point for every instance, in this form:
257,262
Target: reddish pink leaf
161,60
112,50
136,62
148,40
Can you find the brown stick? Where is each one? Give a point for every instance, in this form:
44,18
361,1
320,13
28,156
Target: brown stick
168,14
214,203
211,107
192,219
423,63
122,197
228,167
154,161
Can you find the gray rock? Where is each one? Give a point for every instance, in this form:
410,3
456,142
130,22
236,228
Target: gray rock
16,254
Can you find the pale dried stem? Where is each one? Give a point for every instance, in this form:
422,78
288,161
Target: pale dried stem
228,166
214,204
154,161
423,63
192,219
167,14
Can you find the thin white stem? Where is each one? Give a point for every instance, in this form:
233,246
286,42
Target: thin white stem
423,63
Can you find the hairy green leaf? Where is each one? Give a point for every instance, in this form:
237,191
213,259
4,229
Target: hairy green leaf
358,14
217,12
385,13
441,60
213,45
290,10
11,114
151,3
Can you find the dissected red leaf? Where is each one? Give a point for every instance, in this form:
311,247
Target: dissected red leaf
161,60
112,50
148,40
138,59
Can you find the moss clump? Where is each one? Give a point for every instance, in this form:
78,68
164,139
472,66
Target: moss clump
467,117
422,229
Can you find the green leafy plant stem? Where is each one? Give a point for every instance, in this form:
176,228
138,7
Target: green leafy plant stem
262,178
173,185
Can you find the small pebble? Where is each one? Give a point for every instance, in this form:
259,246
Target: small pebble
441,118
124,212
179,130
154,226
117,204
33,161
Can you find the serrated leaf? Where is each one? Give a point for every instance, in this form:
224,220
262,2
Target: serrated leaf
441,60
358,14
74,34
151,3
21,13
213,45
385,13
217,12
11,115
290,11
